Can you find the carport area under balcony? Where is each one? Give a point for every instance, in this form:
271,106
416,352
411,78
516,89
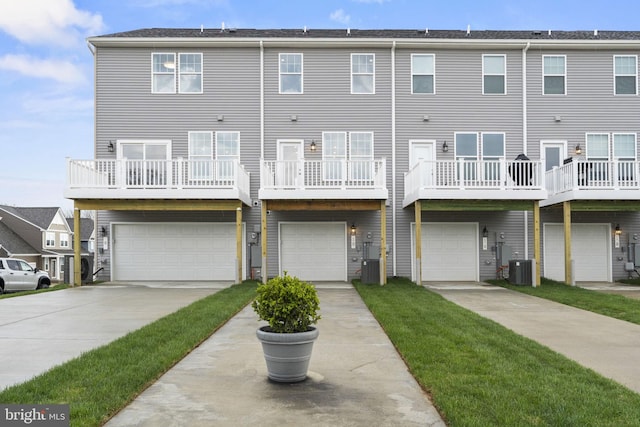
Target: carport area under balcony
474,180
323,179
157,179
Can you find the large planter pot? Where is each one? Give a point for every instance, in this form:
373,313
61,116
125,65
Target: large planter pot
287,355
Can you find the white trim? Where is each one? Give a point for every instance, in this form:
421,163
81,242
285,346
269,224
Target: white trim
372,74
504,75
280,73
193,73
564,75
624,75
433,55
153,73
553,142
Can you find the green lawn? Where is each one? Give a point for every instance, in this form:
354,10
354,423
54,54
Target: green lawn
616,306
49,289
100,382
482,374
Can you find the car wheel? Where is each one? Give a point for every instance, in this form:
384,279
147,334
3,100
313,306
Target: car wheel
1,287
43,284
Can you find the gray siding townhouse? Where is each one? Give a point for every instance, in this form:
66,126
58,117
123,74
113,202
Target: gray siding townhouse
224,154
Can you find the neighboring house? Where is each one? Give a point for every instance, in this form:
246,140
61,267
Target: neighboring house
87,234
39,235
221,153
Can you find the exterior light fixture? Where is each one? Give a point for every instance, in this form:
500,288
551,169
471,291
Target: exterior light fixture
110,146
445,147
578,150
312,147
485,232
618,230
353,229
616,237
485,238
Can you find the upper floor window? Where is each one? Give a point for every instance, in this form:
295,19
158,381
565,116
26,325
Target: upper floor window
554,72
334,151
50,239
361,154
190,73
164,70
200,154
64,240
362,73
494,74
290,72
625,70
337,149
423,73
624,146
490,151
227,154
597,146
163,73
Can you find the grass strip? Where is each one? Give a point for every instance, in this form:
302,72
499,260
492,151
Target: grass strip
102,381
35,291
616,306
482,374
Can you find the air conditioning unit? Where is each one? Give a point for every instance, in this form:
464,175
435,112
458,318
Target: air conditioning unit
370,271
521,272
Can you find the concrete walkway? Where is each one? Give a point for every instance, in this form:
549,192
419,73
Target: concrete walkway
609,346
356,378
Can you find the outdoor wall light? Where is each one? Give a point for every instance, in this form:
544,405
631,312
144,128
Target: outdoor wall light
485,232
445,147
578,150
353,229
103,230
110,146
618,230
312,146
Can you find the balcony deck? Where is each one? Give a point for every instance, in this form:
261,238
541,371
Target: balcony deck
323,179
177,179
593,180
474,180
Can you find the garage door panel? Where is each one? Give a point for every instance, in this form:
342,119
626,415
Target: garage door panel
449,251
314,251
174,251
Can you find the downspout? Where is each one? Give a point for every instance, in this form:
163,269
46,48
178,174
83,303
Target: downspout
525,133
92,49
261,101
393,157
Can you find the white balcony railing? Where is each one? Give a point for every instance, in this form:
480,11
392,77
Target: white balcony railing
474,174
120,176
594,175
323,174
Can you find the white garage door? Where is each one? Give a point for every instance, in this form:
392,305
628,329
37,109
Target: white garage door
590,250
314,250
449,251
174,251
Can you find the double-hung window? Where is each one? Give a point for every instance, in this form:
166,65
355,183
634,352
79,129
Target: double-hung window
492,156
624,151
190,73
334,155
200,156
227,154
362,73
163,73
50,239
64,240
625,69
290,72
554,72
361,155
423,73
494,74
596,171
466,153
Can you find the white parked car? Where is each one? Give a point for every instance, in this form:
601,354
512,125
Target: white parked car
18,275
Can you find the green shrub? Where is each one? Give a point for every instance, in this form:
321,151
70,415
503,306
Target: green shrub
288,304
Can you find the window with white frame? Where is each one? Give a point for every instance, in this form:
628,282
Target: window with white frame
554,72
625,70
466,148
163,75
361,154
190,70
334,154
50,239
290,72
200,156
64,240
362,73
494,73
227,154
492,155
489,147
624,151
597,146
423,73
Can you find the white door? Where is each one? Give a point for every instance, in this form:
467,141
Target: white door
146,162
314,250
553,154
289,171
174,251
590,250
449,251
424,153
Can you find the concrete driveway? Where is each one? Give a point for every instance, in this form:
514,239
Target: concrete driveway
40,331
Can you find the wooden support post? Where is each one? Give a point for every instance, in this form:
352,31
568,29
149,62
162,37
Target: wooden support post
263,241
77,261
383,242
536,240
418,217
239,244
568,274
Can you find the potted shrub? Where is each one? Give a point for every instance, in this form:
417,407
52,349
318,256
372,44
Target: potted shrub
290,305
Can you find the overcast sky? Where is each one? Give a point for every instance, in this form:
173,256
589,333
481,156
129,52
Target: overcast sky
46,69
